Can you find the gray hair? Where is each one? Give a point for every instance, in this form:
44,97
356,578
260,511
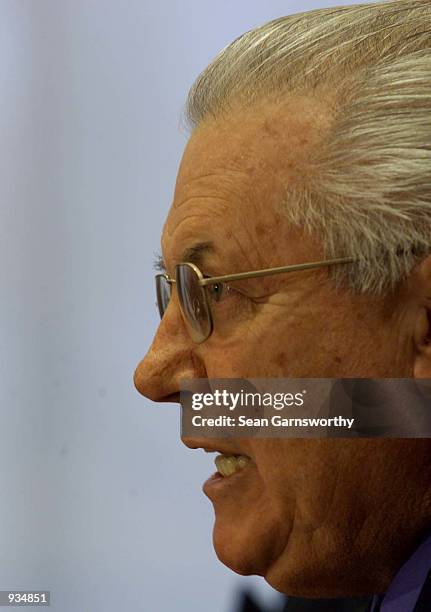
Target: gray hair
368,194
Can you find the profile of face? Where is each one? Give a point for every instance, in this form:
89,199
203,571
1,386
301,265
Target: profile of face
315,517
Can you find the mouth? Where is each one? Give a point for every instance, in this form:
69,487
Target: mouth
231,465
233,473
226,462
227,465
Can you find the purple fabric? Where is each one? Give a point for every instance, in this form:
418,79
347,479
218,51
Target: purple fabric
405,588
374,603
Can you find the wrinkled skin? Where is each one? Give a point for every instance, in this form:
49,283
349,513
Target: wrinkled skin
315,517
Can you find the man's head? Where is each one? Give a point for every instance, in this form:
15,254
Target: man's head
310,141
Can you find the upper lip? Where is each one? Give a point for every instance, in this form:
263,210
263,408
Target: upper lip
212,446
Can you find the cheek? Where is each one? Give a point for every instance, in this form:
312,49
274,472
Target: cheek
302,340
300,477
277,471
266,347
321,482
285,347
318,342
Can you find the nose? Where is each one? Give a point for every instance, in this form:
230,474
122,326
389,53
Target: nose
170,359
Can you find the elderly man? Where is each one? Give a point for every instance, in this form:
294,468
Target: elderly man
310,142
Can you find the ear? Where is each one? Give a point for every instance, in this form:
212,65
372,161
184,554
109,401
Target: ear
422,332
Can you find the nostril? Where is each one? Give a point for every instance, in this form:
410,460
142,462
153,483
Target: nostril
173,398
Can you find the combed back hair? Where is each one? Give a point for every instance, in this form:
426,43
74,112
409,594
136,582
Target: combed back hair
367,189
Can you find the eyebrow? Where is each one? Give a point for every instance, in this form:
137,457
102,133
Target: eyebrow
158,263
195,254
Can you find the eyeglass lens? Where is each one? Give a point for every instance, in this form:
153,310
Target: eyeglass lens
193,303
163,292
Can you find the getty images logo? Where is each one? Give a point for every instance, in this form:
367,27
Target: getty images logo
242,398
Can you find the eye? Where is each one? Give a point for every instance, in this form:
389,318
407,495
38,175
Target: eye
217,291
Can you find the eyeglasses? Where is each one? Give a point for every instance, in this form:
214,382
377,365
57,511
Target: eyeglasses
192,288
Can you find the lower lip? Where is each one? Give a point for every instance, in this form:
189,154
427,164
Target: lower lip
217,483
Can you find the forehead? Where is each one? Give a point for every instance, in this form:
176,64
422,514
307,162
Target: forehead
233,174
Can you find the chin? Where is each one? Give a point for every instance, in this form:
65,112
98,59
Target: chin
235,552
247,547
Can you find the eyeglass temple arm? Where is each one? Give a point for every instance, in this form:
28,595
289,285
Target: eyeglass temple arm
268,271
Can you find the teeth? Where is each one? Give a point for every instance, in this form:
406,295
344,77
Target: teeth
228,465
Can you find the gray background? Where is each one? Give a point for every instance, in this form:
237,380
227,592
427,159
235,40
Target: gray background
100,502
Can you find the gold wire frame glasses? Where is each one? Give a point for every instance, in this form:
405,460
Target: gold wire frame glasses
193,299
